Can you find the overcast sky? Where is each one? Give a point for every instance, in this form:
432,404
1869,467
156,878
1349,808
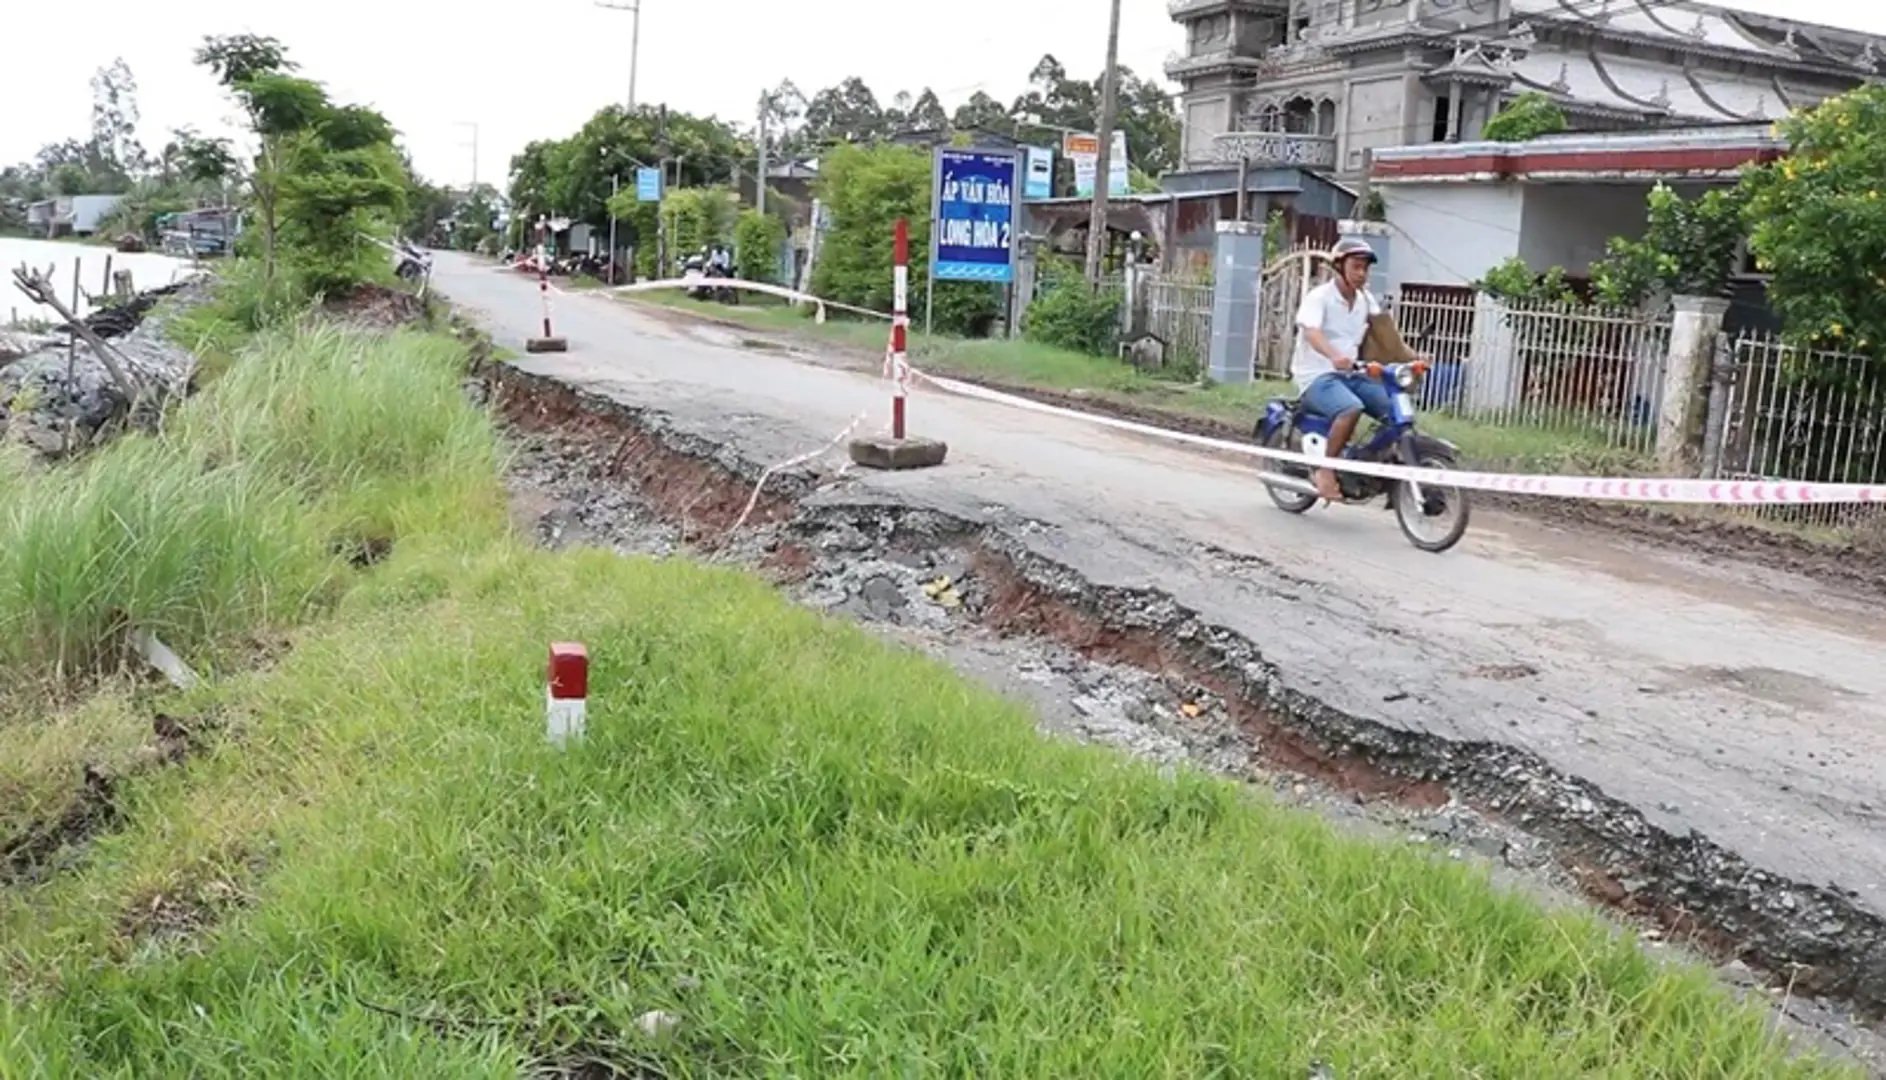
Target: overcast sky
523,71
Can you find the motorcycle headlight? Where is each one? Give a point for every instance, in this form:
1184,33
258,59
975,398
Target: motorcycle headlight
1404,376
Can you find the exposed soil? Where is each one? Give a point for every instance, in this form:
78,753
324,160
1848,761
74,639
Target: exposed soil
1133,669
376,307
45,847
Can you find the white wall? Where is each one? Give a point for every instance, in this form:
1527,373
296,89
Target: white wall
1568,224
1451,233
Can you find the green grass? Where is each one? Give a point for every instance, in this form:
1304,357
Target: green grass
828,856
1527,447
233,524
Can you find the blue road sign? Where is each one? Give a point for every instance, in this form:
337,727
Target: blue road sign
648,185
973,236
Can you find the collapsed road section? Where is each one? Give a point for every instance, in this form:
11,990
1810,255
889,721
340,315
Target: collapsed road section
1135,666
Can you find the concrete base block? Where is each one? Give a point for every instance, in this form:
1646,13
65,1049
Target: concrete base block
884,452
546,344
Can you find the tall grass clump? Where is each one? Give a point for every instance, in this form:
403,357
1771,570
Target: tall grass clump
373,428
143,535
233,519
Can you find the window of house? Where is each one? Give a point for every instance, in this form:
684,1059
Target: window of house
1326,118
1745,261
1443,105
1300,116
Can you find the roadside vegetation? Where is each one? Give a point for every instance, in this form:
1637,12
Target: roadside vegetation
786,848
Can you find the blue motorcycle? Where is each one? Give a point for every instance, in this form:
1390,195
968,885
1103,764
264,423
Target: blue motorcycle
1432,516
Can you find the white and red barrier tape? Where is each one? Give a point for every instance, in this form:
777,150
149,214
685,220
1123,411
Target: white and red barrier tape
1598,488
1601,488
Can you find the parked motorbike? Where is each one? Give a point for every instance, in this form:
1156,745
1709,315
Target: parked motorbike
701,274
1432,516
412,263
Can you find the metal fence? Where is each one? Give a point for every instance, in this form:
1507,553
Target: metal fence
1780,412
1178,311
1591,374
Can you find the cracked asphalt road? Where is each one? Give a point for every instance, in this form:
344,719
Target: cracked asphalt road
1742,702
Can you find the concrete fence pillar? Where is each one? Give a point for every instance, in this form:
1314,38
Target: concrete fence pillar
1238,271
1695,325
1493,379
1027,261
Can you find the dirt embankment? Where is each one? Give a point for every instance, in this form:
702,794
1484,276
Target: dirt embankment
1133,668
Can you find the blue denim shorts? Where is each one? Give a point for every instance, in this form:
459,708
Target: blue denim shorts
1340,393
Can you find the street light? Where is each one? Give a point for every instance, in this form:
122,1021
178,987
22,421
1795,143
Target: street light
634,8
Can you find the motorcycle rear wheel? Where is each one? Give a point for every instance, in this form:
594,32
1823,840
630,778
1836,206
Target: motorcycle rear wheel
1290,502
1410,512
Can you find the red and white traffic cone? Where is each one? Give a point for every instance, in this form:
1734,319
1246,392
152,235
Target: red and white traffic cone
566,698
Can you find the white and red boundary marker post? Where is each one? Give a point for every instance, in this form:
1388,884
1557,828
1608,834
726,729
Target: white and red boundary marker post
566,697
899,451
900,326
548,342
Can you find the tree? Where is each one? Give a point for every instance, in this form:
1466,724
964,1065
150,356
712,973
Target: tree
1529,116
927,114
1055,103
983,113
1819,222
782,107
573,177
325,175
253,69
340,181
195,159
115,120
867,189
757,241
846,113
1688,249
240,57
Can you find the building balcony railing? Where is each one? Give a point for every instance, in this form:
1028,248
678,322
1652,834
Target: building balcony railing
1179,65
1273,148
1187,9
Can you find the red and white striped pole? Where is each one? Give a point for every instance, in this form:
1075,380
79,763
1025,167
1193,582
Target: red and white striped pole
566,698
900,325
549,342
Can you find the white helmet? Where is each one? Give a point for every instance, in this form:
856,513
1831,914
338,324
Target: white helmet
1352,248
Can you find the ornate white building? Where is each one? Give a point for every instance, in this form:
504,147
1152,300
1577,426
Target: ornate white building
1321,83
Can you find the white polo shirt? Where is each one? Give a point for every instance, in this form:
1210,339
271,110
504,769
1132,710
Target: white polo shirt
1343,323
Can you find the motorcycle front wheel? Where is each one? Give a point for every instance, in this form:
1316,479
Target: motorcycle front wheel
1437,519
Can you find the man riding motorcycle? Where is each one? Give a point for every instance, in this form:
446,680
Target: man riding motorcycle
1331,325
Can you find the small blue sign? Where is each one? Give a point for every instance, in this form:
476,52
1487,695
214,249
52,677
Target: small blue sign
647,185
1040,181
973,237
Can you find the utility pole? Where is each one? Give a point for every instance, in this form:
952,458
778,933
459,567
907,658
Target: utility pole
634,8
615,188
759,186
1103,161
473,124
